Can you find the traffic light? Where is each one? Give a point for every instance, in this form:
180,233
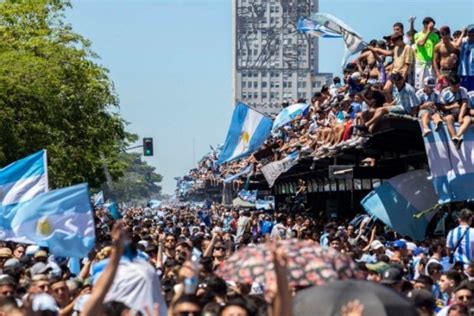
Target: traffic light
148,146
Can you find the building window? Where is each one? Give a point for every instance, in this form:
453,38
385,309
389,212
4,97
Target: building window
303,84
243,84
255,95
290,84
255,84
264,84
264,95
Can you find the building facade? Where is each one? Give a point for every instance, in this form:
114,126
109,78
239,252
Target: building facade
272,62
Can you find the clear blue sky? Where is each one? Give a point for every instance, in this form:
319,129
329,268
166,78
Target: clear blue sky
170,61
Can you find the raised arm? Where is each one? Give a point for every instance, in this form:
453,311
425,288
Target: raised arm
93,305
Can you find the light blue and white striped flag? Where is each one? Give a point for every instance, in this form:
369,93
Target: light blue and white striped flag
311,27
20,182
452,170
396,202
61,220
288,114
98,199
246,171
353,41
247,132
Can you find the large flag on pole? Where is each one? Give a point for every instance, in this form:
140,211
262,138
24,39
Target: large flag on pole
20,182
452,170
352,39
61,220
397,201
247,132
311,27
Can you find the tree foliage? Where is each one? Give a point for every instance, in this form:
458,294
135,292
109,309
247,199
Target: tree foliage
54,95
139,183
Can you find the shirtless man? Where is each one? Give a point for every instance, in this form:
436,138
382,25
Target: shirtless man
445,57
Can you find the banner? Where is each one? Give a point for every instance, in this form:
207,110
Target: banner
311,27
397,200
452,170
248,195
273,170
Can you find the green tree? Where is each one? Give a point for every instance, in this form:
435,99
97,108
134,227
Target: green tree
54,95
138,184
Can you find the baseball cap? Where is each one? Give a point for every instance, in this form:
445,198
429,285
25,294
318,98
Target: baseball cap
429,82
376,244
39,268
422,298
379,267
41,254
400,244
392,275
12,265
5,252
31,250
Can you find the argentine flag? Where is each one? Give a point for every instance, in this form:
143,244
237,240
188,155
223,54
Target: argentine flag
20,182
289,114
99,199
247,132
61,220
313,28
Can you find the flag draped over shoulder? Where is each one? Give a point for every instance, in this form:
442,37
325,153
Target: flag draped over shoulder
452,170
311,27
61,220
273,170
353,41
396,202
20,182
247,132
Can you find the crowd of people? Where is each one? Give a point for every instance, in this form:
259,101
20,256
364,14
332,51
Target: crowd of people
168,262
426,75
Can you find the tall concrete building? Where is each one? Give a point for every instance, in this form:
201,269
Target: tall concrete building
272,62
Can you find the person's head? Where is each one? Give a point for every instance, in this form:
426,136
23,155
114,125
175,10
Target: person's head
40,284
398,28
237,307
335,243
350,230
5,254
397,79
187,305
41,256
219,251
423,282
170,241
393,277
427,21
465,216
114,308
424,301
19,252
60,292
376,271
445,33
429,83
456,34
470,34
400,246
458,310
9,307
448,281
336,80
377,247
463,294
7,286
435,271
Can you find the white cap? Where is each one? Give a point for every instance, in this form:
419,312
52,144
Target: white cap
376,244
411,246
355,76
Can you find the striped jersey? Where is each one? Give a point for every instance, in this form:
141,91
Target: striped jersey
465,251
466,58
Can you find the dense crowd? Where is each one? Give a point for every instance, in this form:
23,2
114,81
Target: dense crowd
174,257
426,75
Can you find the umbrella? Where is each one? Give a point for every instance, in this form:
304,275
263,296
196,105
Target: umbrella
308,264
377,299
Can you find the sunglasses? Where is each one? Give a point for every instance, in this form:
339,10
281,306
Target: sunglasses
465,297
185,313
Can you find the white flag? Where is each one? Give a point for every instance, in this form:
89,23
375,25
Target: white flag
273,170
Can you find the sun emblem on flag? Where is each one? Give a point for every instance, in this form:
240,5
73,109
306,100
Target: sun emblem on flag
245,136
43,227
